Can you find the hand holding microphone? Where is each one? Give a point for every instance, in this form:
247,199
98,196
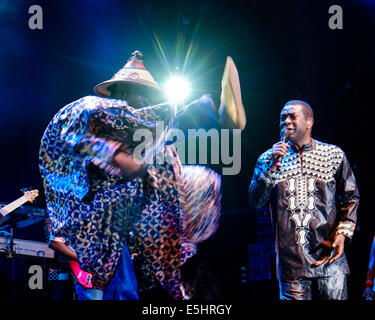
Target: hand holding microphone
279,150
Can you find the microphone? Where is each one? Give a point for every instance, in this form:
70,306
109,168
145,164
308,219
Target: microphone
284,138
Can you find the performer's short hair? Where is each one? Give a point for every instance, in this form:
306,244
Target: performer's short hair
306,108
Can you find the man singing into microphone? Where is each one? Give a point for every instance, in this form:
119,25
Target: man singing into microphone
313,197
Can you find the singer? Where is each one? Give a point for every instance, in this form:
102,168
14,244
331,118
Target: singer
313,197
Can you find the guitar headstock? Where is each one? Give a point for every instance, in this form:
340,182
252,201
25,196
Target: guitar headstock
30,195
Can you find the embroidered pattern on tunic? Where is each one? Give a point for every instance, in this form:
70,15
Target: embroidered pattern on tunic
318,164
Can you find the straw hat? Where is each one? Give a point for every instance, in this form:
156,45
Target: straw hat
132,76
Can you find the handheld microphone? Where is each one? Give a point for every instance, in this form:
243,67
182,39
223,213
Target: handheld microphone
284,138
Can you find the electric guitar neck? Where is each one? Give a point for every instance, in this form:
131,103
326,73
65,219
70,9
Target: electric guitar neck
28,196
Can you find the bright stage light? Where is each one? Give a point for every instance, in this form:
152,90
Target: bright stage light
177,89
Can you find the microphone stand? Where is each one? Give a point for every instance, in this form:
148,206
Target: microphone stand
13,256
10,253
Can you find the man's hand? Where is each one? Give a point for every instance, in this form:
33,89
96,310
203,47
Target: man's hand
130,168
278,149
58,244
337,244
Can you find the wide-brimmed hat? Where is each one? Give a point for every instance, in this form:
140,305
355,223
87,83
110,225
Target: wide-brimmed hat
132,76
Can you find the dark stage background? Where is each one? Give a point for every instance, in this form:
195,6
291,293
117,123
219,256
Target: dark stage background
283,50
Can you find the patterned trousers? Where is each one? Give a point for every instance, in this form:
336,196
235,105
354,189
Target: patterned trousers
324,288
